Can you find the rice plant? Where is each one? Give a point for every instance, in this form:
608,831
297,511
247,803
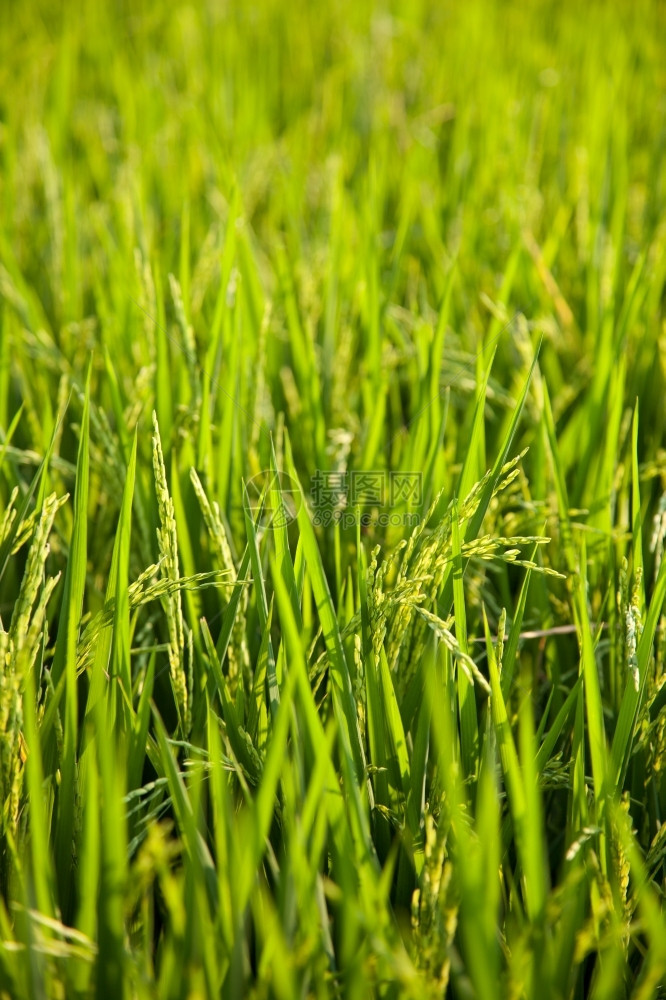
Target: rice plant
332,500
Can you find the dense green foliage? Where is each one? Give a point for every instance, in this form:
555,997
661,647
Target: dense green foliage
250,755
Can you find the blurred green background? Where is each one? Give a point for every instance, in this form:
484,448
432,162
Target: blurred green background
330,217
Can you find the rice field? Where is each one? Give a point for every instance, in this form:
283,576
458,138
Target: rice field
332,500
